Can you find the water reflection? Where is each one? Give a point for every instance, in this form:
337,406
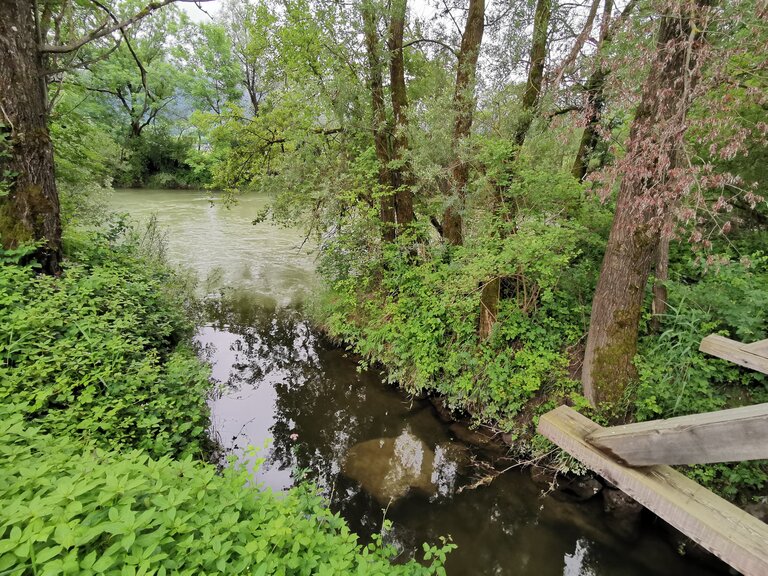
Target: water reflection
371,448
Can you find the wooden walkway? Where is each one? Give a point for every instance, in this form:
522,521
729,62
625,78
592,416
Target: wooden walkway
636,457
724,436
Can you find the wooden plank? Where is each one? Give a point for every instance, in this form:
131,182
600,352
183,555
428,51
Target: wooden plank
733,351
723,436
760,348
731,534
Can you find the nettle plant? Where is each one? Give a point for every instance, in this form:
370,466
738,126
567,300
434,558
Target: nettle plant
100,352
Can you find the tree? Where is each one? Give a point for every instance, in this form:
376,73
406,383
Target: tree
491,291
390,137
644,200
379,120
30,212
594,97
402,176
248,27
463,109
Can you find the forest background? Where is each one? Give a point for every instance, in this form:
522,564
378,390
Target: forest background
516,204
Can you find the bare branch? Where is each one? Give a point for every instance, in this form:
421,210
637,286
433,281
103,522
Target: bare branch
431,41
579,43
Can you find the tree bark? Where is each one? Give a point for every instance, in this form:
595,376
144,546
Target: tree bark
530,101
401,176
594,101
491,294
464,107
30,212
652,152
594,98
379,122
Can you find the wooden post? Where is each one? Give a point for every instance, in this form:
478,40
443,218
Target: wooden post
737,538
724,436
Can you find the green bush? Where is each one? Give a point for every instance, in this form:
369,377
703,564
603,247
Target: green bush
676,379
69,509
420,319
102,352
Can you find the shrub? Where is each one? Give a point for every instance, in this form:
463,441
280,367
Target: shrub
421,318
677,379
101,353
69,509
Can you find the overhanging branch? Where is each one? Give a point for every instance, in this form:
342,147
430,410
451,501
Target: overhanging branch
105,30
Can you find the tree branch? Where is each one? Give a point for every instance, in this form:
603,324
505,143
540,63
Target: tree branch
104,30
83,63
431,41
142,70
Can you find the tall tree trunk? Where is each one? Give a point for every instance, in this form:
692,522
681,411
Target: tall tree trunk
594,97
379,121
653,150
491,292
30,212
464,108
402,177
594,101
541,18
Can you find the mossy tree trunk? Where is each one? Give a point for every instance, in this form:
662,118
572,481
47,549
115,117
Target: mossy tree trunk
463,109
30,211
652,154
402,176
594,101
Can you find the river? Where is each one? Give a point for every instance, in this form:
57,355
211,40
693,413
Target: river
283,387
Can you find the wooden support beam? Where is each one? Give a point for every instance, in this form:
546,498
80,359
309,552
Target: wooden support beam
747,355
737,538
723,436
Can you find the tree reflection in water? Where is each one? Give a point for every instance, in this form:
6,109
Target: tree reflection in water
282,380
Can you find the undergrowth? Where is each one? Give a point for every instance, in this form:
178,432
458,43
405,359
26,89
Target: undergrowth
103,353
71,508
103,435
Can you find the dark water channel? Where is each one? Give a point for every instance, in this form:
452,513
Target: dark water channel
282,385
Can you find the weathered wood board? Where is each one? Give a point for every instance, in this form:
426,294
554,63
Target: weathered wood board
734,536
723,436
747,355
760,348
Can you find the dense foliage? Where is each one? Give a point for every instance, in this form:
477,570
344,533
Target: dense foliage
103,435
420,318
508,197
103,352
71,508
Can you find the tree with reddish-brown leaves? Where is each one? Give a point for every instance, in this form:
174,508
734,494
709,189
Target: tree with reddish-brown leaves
651,184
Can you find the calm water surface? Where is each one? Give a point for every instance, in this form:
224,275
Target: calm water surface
283,386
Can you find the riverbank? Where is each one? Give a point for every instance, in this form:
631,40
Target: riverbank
103,433
315,413
418,320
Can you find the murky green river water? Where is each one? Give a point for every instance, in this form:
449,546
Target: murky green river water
364,443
